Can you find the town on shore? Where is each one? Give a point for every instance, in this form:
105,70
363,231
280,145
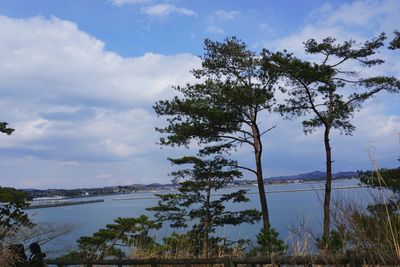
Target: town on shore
40,194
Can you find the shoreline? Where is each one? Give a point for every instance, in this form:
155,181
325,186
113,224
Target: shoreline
174,189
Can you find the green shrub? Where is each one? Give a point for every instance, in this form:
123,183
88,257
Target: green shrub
269,243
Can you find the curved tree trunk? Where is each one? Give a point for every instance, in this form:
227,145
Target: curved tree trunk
260,178
328,185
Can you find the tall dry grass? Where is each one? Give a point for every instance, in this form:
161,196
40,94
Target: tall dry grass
369,230
8,257
300,241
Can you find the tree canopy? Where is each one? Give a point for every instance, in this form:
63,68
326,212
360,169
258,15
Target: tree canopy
389,178
395,43
5,129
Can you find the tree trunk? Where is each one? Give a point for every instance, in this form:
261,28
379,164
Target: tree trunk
206,223
328,185
260,178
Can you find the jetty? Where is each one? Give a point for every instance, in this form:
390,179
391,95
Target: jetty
63,203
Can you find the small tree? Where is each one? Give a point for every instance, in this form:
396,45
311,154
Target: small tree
12,215
198,203
269,243
223,109
329,91
132,232
13,201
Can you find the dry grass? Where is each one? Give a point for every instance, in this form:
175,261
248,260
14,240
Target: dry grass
7,257
300,240
183,247
371,234
394,228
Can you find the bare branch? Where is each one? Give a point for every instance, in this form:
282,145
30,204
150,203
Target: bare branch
313,107
269,129
345,80
238,139
246,168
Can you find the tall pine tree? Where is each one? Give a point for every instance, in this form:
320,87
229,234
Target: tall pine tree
328,93
223,110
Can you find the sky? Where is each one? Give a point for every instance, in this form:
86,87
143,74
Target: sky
78,80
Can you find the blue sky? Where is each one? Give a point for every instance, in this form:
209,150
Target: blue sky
133,29
78,79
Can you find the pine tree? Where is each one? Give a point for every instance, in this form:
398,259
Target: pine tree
199,203
223,110
328,93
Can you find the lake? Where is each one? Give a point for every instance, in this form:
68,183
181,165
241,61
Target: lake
286,209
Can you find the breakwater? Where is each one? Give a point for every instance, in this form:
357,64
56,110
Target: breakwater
63,203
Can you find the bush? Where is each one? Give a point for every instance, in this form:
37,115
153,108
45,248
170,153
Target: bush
269,243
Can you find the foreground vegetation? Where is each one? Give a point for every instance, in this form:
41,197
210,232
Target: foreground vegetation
369,233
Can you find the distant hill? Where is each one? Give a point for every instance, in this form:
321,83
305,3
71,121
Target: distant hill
312,176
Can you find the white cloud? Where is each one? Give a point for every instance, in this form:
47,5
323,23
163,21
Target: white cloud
225,15
56,58
215,30
164,10
358,20
71,100
266,28
357,13
127,2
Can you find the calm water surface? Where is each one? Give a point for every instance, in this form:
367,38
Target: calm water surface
286,209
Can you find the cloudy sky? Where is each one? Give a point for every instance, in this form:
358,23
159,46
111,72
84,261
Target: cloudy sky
78,79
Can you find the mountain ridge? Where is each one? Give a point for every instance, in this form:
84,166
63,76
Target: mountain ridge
314,175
